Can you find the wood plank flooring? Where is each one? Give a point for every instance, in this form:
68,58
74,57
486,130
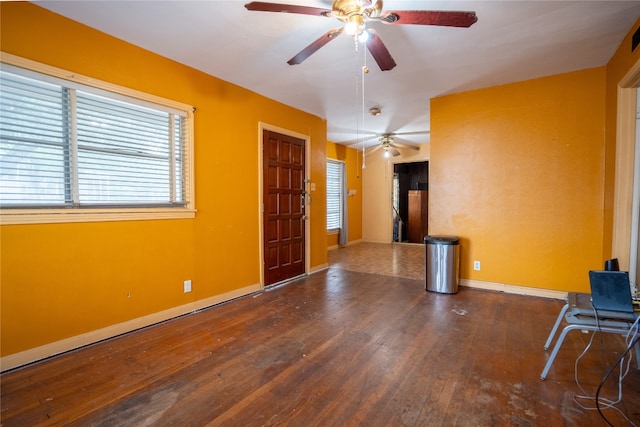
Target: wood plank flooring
337,348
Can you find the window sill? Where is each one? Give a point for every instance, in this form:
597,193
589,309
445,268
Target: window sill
53,216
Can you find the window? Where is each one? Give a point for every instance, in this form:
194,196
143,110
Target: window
334,194
67,147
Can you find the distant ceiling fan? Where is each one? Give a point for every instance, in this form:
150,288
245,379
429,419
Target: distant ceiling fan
390,145
355,14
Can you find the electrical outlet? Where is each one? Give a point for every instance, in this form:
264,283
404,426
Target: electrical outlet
187,286
476,265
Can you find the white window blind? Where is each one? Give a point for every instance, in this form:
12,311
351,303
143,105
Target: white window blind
66,145
334,190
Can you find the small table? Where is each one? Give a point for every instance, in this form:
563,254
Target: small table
579,313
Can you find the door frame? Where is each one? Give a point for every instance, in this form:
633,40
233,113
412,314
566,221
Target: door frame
262,126
390,166
393,168
623,221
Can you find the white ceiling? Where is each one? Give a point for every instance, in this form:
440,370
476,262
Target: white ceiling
512,41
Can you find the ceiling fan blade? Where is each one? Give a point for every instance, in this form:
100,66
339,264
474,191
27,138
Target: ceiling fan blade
430,17
372,150
359,141
419,132
394,151
286,8
314,46
379,51
410,147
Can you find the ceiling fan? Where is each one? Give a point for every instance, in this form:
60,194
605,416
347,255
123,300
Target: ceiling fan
390,145
355,14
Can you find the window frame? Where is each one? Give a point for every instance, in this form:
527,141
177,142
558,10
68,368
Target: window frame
342,165
9,216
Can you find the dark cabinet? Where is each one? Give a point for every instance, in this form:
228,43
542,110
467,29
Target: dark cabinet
418,219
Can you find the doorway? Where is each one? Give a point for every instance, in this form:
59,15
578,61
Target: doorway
626,229
634,256
284,206
410,201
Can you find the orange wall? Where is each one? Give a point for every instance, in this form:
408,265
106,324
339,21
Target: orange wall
63,280
353,161
517,171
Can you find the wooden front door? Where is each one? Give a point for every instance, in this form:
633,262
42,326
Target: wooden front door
284,207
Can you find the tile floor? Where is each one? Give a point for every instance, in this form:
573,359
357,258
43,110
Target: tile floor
389,259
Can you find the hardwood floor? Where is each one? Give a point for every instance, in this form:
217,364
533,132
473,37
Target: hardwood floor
337,348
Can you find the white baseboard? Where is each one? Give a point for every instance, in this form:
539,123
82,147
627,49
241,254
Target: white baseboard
513,289
32,355
318,268
352,242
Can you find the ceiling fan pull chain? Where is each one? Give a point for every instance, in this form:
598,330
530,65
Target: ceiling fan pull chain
357,92
364,70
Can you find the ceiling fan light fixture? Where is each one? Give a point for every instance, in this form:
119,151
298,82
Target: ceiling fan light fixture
372,8
386,139
355,25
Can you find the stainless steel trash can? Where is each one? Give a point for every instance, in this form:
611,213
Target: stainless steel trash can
442,264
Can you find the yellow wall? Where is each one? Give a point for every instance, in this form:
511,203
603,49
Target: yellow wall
353,162
63,280
517,171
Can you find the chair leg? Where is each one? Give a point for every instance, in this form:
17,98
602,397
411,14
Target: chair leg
556,326
555,350
568,328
